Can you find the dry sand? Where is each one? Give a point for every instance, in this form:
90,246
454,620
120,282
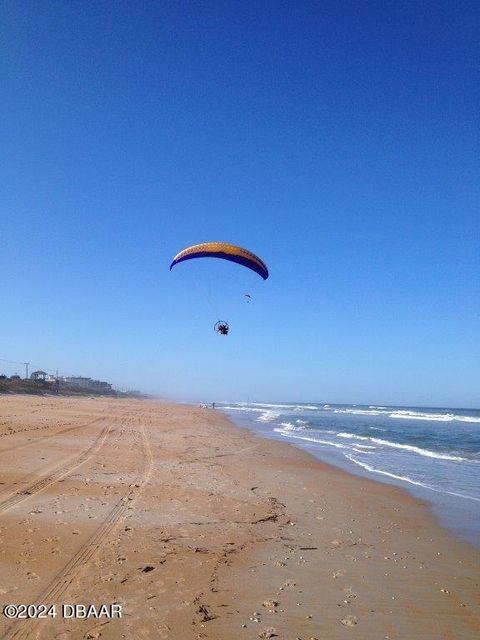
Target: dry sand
200,529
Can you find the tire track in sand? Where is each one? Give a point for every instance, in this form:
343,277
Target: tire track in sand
29,490
47,437
40,427
67,575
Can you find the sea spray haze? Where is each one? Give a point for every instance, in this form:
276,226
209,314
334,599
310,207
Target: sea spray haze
435,453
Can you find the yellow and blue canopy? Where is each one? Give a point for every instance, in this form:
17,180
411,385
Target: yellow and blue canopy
224,251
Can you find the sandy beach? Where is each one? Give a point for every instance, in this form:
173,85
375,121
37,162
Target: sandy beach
197,528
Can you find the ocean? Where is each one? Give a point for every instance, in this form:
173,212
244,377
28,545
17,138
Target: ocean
433,453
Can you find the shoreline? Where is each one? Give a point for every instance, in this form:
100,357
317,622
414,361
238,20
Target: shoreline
460,517
198,526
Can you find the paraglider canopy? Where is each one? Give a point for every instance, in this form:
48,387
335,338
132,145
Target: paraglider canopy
226,252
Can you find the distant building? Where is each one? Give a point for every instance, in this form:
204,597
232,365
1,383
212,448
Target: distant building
39,375
86,383
101,385
77,381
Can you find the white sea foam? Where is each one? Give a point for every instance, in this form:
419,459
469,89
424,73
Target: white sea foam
435,417
289,434
268,416
360,412
371,410
242,408
406,414
270,405
291,407
367,467
416,415
467,419
407,447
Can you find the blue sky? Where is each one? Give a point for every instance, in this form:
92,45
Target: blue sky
337,140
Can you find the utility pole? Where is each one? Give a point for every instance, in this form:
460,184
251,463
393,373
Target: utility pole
26,370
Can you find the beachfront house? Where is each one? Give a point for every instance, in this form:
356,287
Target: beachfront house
86,383
39,376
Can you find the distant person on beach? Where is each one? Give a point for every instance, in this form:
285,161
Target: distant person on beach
213,405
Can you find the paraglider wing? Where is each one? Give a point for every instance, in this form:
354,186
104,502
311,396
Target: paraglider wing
224,251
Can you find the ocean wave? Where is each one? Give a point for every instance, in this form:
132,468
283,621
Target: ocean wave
371,410
434,417
291,407
307,407
407,414
241,408
271,405
407,447
367,467
289,434
269,416
361,412
416,415
299,425
467,419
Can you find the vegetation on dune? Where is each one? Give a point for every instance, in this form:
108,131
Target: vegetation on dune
15,384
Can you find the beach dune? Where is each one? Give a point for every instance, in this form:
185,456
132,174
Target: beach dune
195,528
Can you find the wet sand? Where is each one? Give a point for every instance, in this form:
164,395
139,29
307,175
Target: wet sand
200,529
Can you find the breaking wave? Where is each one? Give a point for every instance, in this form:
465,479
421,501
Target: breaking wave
408,447
337,445
367,467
